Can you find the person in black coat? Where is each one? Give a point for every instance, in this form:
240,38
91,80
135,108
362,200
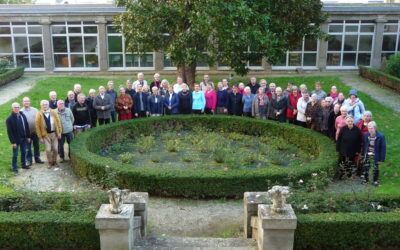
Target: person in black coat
155,103
348,145
92,111
185,100
331,121
140,102
18,134
235,105
279,105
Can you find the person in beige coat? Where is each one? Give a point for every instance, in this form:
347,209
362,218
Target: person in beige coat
260,104
49,130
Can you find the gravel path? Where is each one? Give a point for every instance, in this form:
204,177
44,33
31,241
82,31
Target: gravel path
17,87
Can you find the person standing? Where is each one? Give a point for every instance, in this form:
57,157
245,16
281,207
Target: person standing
53,99
311,111
49,130
171,102
211,99
279,106
235,105
335,113
301,109
355,107
253,85
206,80
155,103
363,124
247,100
123,105
178,85
198,100
102,104
185,100
19,135
82,115
292,100
77,91
93,113
70,101
113,95
340,120
260,104
140,80
140,102
374,149
30,114
156,82
318,91
67,123
222,100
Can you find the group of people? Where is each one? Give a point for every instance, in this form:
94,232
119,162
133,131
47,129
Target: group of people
344,120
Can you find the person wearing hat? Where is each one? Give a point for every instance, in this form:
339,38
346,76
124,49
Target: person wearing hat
355,106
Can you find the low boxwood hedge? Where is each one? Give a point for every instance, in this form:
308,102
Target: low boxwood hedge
197,183
380,77
347,231
11,75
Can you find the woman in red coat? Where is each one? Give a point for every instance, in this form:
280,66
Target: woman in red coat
291,111
123,105
363,124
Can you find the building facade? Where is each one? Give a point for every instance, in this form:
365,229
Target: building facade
60,38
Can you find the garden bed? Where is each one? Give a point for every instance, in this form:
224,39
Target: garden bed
380,77
11,75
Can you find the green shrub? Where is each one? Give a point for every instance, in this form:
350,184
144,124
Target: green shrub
145,143
172,145
199,182
380,77
393,65
126,157
11,75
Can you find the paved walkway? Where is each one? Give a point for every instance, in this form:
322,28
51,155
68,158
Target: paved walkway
17,87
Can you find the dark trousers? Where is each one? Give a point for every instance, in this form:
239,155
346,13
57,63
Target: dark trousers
22,146
208,111
64,137
113,115
302,124
247,114
142,114
197,111
93,122
36,150
104,121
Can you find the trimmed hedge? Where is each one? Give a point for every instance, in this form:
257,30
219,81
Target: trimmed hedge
197,183
380,77
48,229
347,231
11,75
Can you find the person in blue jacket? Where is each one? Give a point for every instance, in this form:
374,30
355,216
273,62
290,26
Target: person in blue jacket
222,100
155,103
198,100
374,149
171,102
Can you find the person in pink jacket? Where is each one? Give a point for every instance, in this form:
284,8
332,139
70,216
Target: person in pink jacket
340,121
211,99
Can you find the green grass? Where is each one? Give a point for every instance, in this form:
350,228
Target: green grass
388,120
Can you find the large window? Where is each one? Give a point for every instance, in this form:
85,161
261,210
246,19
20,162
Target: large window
304,56
390,45
350,44
21,44
119,59
75,46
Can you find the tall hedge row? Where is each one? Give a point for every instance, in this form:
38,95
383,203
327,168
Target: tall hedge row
11,75
197,183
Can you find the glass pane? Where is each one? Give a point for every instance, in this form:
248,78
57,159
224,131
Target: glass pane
310,44
35,30
390,28
367,28
19,30
74,30
146,60
90,44
77,61
132,60
112,29
21,44
92,61
5,30
23,60
385,56
365,43
114,44
8,59
364,59
333,59
350,43
310,59
335,43
58,29
281,62
255,62
90,29
75,44
352,28
5,45
37,61
349,59
35,44
60,44
168,62
389,42
61,61
115,60
295,59
336,28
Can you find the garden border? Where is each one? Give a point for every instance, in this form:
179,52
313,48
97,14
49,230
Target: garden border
11,75
197,183
380,77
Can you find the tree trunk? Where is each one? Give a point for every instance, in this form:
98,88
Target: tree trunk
188,74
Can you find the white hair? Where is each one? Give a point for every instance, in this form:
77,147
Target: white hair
52,93
278,89
328,99
263,80
26,98
303,86
101,87
140,73
156,75
15,104
92,91
272,84
372,124
70,92
77,85
164,81
349,117
369,113
343,108
81,95
109,82
44,102
247,88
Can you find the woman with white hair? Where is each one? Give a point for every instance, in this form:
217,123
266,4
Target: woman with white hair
340,120
363,124
70,101
373,151
93,113
348,145
155,103
260,104
311,112
185,100
279,105
247,101
156,82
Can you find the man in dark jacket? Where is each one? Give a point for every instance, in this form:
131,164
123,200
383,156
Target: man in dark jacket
18,134
102,104
235,105
374,150
253,85
171,102
113,95
348,145
140,102
81,114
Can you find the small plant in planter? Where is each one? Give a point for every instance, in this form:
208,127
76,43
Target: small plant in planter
188,158
172,145
277,160
235,136
145,143
249,157
126,157
219,155
155,158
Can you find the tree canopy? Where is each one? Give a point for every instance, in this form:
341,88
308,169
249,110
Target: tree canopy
232,32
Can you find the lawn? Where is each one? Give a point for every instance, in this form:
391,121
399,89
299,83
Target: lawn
388,120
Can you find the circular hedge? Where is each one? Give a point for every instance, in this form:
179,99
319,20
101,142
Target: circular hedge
197,183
